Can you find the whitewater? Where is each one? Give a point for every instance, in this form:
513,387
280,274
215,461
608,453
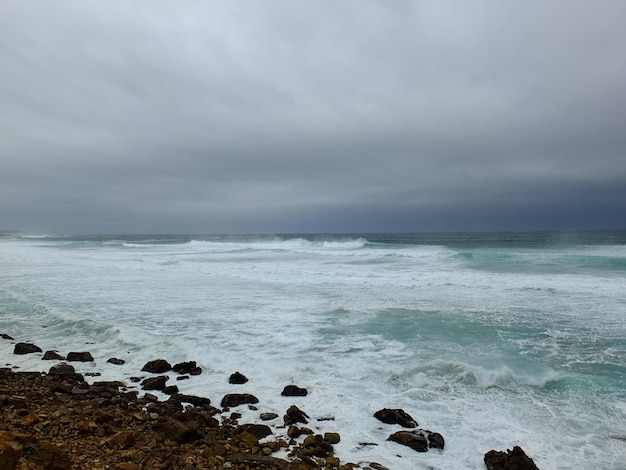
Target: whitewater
492,340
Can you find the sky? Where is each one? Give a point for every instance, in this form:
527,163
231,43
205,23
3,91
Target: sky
325,116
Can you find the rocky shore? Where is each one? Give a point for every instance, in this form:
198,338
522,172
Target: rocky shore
57,420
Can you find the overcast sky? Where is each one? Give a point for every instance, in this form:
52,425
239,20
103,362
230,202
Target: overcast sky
289,116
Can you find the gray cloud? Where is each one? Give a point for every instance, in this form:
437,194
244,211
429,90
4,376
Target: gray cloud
323,116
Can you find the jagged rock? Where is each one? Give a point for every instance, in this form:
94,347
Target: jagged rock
181,433
515,459
154,383
258,430
319,447
295,415
26,348
116,361
294,391
157,366
5,336
420,440
395,416
83,356
237,378
52,356
268,416
236,399
192,399
189,367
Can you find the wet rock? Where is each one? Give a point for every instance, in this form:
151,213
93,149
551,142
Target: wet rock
52,356
515,459
26,348
154,383
268,416
294,391
192,399
295,415
318,446
189,367
61,369
170,390
157,366
395,416
5,336
258,430
332,437
83,356
237,378
116,361
236,399
420,440
181,433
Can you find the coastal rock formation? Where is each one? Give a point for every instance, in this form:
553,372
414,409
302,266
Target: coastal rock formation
189,367
395,416
52,356
116,361
420,440
294,391
83,356
515,459
26,348
154,383
157,366
236,399
295,415
237,378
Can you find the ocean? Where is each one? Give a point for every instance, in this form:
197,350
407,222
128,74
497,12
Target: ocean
491,339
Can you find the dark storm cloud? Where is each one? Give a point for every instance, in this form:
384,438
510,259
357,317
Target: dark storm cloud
326,116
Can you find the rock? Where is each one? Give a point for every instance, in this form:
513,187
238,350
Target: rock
319,447
189,367
258,430
268,416
83,356
116,361
332,437
420,440
236,399
10,451
295,415
157,366
237,378
127,466
192,399
170,390
294,391
26,348
52,356
122,440
5,336
61,369
181,433
49,456
154,383
395,416
515,459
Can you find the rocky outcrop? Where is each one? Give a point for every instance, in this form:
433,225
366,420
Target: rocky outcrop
420,440
235,399
515,459
154,383
52,356
189,367
26,348
82,356
157,366
294,391
396,416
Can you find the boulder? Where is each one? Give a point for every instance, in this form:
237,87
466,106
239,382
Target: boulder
154,383
268,416
258,430
294,391
26,348
237,378
181,433
52,356
61,369
189,367
395,416
295,415
420,440
122,440
515,459
236,399
318,446
157,366
116,361
83,356
192,399
332,437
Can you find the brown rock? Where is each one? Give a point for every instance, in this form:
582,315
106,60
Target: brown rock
515,459
26,348
415,440
236,399
181,433
294,391
154,383
189,367
116,361
127,466
52,356
237,378
157,366
49,456
395,416
122,440
10,451
194,400
295,415
332,437
258,430
30,420
83,356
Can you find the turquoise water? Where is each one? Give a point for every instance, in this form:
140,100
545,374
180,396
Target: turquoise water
493,340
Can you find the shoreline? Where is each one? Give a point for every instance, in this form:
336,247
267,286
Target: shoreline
57,420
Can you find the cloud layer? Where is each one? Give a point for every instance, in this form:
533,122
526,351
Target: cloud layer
282,116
